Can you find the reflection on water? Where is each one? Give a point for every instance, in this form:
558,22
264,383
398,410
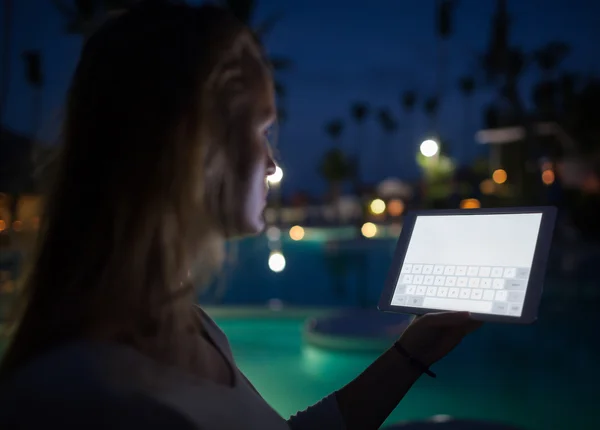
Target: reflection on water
542,376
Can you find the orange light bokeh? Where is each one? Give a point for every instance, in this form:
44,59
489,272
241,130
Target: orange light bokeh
17,225
499,176
296,233
548,177
369,229
395,207
487,186
470,204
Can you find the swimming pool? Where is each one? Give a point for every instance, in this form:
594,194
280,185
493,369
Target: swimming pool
543,376
346,273
539,377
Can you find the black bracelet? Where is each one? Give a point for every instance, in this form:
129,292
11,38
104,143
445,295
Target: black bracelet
413,361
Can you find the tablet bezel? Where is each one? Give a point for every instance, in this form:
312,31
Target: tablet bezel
535,284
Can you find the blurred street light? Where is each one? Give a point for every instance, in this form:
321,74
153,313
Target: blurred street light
377,207
276,177
276,261
429,148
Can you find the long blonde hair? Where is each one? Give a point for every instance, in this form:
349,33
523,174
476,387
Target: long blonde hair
147,181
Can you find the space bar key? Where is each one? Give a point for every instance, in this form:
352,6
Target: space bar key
457,304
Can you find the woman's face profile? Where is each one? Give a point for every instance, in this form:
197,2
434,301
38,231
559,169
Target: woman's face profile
262,164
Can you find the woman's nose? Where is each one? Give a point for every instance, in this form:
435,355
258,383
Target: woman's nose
271,165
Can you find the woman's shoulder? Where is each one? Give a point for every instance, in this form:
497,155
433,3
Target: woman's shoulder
68,386
70,368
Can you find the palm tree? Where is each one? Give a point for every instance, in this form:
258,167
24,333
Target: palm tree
245,10
430,106
84,16
467,88
359,112
334,129
389,127
335,169
546,93
6,53
408,102
444,30
503,65
549,57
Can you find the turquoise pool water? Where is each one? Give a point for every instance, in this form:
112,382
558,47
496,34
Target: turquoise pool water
539,377
544,376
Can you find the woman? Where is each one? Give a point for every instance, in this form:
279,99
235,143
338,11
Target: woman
164,158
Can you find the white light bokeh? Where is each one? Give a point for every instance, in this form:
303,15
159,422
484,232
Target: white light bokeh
276,261
276,177
273,233
429,148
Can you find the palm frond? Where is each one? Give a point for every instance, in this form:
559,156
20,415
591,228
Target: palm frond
263,29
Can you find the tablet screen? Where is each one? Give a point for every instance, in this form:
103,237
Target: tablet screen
478,263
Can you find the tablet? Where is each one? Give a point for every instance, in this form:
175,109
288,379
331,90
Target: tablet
490,262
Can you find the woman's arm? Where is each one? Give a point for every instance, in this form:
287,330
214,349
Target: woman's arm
366,402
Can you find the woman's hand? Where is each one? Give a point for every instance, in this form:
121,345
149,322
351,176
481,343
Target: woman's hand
430,337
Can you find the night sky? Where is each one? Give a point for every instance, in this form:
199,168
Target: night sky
343,51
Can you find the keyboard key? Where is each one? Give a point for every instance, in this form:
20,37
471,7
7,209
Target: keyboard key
449,270
431,291
498,283
428,280
399,300
515,285
476,294
515,296
406,268
497,272
440,281
427,269
462,281
473,282
461,271
472,271
522,273
411,290
417,268
484,272
457,304
488,295
450,281
415,301
486,283
400,289
515,309
417,279
499,308
510,272
442,292
438,269
453,292
465,293
421,290
501,295
407,279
